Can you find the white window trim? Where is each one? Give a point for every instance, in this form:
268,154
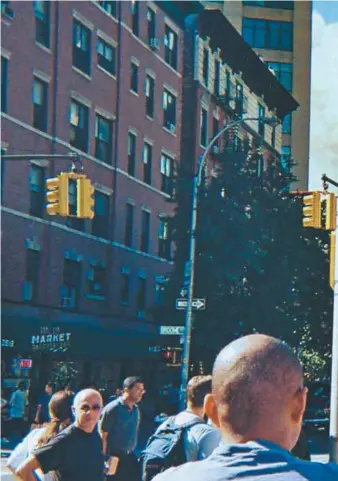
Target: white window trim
103,36
105,114
80,98
146,140
168,153
170,89
145,208
39,163
153,6
135,61
132,130
150,73
5,53
173,27
131,201
83,20
41,75
103,189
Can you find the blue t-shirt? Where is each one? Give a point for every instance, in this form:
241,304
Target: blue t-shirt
253,461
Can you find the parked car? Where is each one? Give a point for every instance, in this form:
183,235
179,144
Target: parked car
317,412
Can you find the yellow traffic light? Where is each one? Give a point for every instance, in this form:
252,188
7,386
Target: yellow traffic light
331,212
312,210
57,197
86,201
332,259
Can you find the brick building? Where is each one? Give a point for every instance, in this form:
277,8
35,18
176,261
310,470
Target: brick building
103,79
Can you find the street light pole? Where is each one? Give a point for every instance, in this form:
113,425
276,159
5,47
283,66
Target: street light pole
192,249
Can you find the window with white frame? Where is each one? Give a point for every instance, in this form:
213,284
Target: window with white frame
135,13
42,22
100,222
169,111
167,172
205,69
97,278
164,239
150,96
217,77
133,77
147,158
106,56
103,139
170,47
145,231
81,47
40,102
204,127
78,121
131,153
37,190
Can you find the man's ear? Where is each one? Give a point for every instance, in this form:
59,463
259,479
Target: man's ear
211,409
298,405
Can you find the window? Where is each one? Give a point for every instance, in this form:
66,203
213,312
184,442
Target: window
3,152
150,96
170,47
37,190
81,47
128,232
109,7
286,158
106,56
151,17
131,153
167,171
204,127
206,67
74,222
78,119
97,281
42,21
40,101
164,241
239,99
169,111
160,284
70,292
215,130
30,289
286,5
100,221
261,124
125,286
144,244
135,16
134,77
287,124
141,294
283,71
4,80
271,34
103,139
217,77
147,162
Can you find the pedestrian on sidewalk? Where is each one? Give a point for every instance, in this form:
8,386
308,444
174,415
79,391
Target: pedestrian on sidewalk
119,427
258,400
184,437
42,411
60,408
18,403
75,454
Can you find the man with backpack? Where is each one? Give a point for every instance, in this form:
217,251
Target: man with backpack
184,437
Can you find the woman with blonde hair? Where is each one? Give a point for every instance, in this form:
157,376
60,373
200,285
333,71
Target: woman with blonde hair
60,409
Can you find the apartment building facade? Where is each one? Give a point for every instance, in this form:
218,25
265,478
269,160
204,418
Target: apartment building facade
280,32
102,79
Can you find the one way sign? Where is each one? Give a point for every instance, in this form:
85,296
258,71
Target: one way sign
197,304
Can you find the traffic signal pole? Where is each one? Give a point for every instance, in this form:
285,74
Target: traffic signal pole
333,436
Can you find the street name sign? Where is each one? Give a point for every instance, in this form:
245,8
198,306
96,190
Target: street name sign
197,304
172,330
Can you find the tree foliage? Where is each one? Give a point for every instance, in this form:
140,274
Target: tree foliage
257,267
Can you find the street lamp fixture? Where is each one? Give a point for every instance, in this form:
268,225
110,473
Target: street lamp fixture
190,270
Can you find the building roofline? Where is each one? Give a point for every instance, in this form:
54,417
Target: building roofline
242,58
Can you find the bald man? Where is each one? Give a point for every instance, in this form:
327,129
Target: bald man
76,453
258,400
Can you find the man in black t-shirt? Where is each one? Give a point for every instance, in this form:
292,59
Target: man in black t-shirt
76,453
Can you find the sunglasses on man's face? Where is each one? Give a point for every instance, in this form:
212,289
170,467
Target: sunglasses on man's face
94,407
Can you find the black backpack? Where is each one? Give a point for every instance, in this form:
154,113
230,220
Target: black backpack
165,448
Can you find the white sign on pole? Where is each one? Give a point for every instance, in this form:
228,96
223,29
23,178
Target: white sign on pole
171,330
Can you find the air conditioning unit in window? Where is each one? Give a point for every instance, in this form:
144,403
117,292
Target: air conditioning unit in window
154,43
172,128
214,149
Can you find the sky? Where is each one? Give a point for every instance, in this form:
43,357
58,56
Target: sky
324,93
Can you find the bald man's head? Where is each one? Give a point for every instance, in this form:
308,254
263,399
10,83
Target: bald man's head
253,379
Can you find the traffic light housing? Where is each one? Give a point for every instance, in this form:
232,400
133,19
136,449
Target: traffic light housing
86,201
332,259
312,210
331,212
57,197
